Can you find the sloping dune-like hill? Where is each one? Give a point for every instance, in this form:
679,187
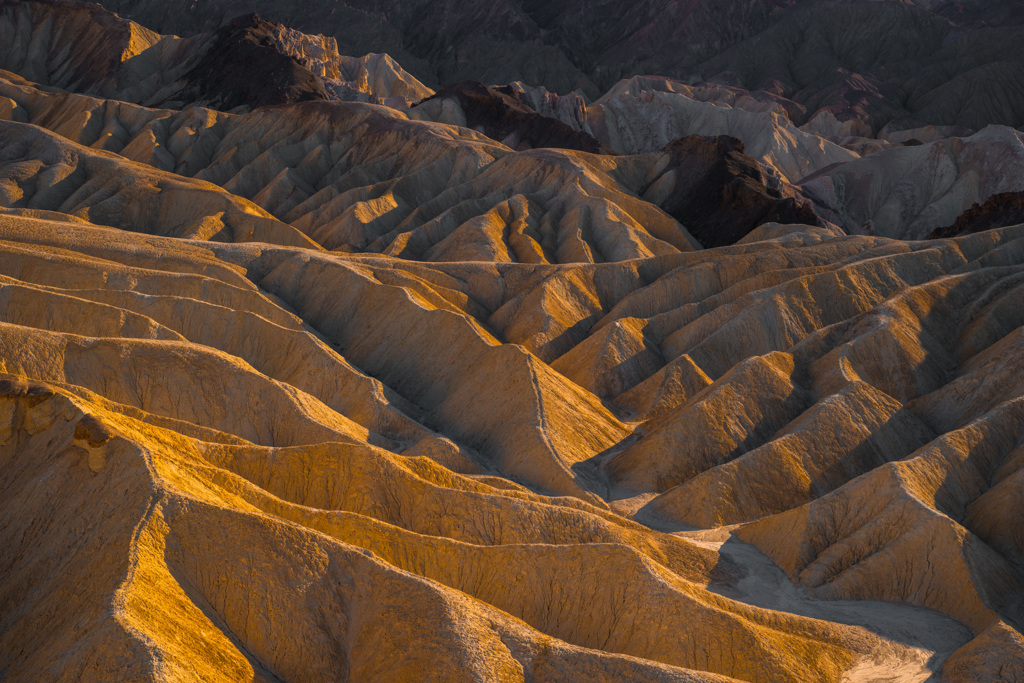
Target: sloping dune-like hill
209,425
229,388
331,389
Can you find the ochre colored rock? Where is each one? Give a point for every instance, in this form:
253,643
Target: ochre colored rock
328,391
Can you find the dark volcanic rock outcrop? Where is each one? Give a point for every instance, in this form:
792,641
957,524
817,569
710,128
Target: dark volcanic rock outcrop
499,113
83,47
249,61
926,57
721,194
1005,208
244,66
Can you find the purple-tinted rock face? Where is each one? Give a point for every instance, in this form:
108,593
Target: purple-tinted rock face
244,67
913,63
721,194
500,114
1005,208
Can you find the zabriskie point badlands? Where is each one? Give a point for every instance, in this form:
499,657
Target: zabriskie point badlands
512,340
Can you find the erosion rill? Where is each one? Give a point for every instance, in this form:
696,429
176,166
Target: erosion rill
316,368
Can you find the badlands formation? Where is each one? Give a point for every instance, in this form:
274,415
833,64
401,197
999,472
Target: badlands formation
312,373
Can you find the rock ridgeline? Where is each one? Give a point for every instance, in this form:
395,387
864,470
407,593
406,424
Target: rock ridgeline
329,390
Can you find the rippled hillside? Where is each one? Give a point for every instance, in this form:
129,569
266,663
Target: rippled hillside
312,373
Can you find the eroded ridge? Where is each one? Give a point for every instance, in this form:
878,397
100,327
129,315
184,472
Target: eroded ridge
420,423
328,391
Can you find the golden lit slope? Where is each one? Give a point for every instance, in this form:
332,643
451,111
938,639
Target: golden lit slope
358,177
43,171
320,392
269,480
209,443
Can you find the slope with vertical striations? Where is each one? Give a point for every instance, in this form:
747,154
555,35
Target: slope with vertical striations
319,391
87,335
292,475
357,177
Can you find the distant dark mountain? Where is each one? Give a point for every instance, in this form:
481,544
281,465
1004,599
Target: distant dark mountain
501,114
1005,208
240,64
943,63
722,194
244,66
247,62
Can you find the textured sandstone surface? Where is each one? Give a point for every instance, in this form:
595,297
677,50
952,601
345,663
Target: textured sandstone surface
865,64
197,358
195,361
330,390
247,62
